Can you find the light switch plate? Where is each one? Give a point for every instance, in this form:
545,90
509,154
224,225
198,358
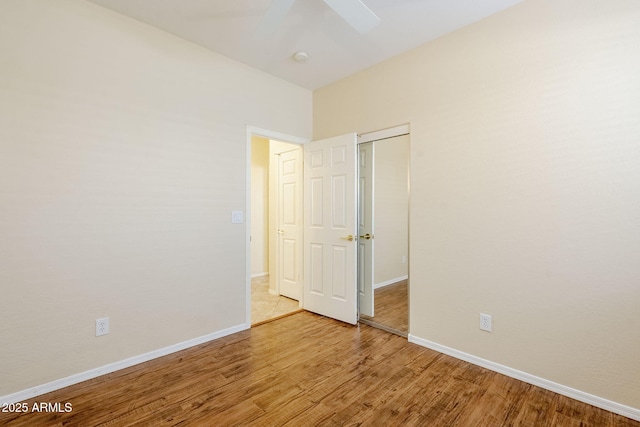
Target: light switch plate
237,217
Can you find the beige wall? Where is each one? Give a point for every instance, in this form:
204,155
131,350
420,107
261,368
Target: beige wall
525,186
122,155
391,210
259,205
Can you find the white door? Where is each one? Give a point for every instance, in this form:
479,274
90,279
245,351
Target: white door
289,223
365,228
330,228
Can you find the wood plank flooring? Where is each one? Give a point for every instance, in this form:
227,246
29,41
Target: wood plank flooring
391,307
307,370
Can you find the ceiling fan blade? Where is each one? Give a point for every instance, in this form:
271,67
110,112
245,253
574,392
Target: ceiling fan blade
272,19
356,13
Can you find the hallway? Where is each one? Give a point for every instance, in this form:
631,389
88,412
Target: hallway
266,306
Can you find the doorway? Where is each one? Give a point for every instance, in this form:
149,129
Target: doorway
331,235
383,256
275,228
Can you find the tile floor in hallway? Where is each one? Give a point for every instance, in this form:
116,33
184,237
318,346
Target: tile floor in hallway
264,305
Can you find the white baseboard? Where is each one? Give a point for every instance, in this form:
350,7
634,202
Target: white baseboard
389,282
618,408
112,367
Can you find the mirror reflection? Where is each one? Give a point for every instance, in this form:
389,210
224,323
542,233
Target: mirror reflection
383,212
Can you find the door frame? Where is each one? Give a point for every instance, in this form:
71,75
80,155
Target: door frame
265,133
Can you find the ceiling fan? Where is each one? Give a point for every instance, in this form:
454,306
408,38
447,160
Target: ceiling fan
354,12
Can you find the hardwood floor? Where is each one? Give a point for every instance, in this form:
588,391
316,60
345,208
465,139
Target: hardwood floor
391,308
307,370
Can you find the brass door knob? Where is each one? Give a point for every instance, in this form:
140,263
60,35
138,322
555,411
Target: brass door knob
349,238
367,236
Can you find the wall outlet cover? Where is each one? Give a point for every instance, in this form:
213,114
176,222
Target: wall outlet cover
485,322
102,326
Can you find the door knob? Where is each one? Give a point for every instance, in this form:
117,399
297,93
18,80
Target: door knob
349,238
280,231
367,236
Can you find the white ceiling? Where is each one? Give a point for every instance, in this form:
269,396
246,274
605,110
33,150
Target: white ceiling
335,49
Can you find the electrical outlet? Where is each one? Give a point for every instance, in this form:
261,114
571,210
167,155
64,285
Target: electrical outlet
485,322
102,326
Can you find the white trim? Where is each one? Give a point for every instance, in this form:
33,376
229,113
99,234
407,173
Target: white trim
618,408
116,366
383,134
247,236
390,282
252,130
